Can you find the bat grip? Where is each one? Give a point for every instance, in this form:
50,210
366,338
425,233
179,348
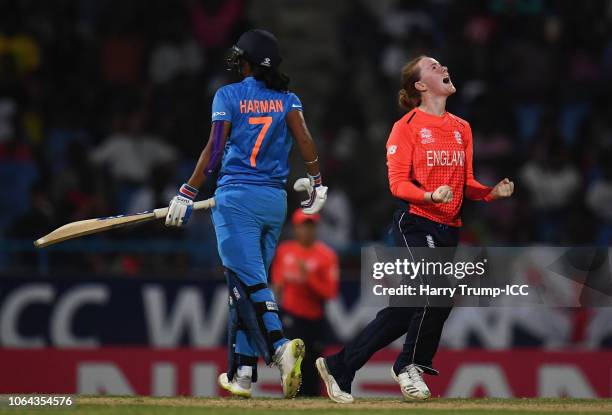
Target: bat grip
202,204
160,212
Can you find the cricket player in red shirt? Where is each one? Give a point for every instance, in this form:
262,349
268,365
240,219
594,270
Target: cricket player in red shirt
305,274
429,160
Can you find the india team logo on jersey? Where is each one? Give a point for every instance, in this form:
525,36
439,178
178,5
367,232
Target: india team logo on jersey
426,137
458,137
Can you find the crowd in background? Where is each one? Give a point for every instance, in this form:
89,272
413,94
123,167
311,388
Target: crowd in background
105,107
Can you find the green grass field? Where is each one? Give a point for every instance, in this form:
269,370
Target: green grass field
93,405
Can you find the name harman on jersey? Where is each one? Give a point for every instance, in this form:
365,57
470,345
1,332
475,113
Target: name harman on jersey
260,105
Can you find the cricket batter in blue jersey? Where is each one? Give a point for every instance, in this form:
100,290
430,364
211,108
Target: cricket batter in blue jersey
253,125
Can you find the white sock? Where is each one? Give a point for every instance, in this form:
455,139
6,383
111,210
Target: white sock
245,371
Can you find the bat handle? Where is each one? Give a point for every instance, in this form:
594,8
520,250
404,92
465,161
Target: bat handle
160,212
202,204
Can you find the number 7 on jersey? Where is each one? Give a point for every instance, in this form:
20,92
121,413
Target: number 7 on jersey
265,122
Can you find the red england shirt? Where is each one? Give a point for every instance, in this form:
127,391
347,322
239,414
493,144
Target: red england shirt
426,151
307,277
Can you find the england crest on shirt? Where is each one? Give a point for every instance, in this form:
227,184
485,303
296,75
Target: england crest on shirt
458,137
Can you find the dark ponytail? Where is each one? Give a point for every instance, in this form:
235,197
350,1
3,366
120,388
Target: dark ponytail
273,78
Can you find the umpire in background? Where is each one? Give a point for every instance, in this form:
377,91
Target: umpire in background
305,276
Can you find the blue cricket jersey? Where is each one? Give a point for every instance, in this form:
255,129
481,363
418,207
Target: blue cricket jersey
257,150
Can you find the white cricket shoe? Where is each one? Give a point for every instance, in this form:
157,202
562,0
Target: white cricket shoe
239,386
333,389
289,358
411,382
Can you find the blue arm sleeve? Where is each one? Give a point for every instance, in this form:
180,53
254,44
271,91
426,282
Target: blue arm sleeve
216,150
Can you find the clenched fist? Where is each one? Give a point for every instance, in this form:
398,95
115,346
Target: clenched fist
443,194
503,189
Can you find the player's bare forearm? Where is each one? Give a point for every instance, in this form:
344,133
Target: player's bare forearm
304,141
211,155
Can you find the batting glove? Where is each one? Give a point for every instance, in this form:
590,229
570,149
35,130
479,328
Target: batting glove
317,193
181,206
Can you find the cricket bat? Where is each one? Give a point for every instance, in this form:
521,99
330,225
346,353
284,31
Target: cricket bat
89,226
